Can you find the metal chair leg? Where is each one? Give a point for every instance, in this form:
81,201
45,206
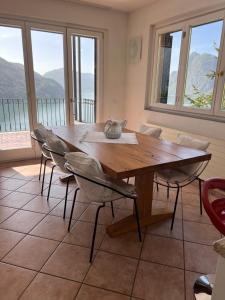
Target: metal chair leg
94,232
112,207
50,182
138,220
39,178
66,196
43,177
168,192
72,208
128,179
200,194
175,207
157,187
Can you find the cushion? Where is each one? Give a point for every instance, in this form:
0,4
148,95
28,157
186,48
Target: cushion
183,173
172,175
91,166
57,145
151,131
41,133
188,141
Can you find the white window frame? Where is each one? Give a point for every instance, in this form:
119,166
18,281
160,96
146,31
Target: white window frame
178,107
26,24
99,70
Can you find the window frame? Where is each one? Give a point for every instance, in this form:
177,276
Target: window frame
178,108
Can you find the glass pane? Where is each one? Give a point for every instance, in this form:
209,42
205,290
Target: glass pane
84,78
13,91
202,65
48,61
169,56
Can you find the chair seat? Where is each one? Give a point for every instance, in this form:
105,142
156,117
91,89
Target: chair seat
172,176
219,208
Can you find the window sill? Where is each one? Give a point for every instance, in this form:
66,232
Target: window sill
214,118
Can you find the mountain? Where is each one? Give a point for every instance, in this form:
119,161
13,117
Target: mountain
199,65
12,83
87,81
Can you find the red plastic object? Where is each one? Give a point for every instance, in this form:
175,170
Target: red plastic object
216,208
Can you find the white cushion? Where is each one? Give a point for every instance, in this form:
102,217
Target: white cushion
172,175
57,145
182,173
41,133
151,131
90,166
188,141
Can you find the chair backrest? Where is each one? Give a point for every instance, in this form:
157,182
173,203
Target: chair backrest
41,133
150,130
190,142
215,209
57,146
91,167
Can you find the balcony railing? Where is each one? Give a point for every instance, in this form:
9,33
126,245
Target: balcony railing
50,112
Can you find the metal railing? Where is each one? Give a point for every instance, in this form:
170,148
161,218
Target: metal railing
85,110
50,112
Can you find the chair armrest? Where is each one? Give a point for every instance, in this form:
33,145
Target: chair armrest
119,186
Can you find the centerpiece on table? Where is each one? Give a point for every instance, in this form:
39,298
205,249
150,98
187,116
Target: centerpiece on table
113,128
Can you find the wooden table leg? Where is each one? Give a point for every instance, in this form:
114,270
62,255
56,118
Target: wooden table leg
144,186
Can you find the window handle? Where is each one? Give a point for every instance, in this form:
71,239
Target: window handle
220,73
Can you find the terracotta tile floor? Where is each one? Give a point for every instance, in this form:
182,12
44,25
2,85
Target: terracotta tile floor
40,260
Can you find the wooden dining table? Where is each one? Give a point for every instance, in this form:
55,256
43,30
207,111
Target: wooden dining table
140,161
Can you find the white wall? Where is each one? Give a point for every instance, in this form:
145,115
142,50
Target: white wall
115,23
139,23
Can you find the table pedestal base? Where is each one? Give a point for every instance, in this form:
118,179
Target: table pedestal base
130,224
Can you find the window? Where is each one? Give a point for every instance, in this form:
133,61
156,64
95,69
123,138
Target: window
188,66
169,54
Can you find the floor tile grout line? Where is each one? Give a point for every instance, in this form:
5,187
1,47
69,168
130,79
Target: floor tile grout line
138,263
94,256
38,272
185,290
19,186
1,260
27,234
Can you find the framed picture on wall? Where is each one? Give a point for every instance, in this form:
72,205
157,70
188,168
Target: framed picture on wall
134,48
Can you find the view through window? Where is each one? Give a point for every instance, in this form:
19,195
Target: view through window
48,63
189,65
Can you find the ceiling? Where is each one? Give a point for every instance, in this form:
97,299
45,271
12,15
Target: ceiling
122,5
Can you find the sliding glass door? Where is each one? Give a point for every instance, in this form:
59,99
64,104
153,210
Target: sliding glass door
49,76
83,57
14,100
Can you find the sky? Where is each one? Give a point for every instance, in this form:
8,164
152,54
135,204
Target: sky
47,49
203,38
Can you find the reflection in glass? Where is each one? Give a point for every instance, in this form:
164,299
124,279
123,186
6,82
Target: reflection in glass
202,65
169,55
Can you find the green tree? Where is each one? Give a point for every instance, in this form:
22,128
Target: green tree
202,100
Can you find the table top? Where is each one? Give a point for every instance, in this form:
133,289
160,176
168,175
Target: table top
125,160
